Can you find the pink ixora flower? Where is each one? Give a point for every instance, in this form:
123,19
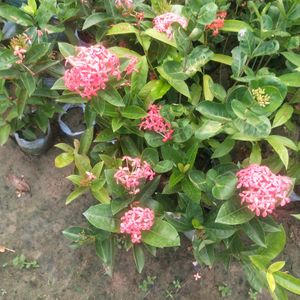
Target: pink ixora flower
132,175
20,52
124,4
217,23
91,69
132,65
163,23
155,122
263,190
136,220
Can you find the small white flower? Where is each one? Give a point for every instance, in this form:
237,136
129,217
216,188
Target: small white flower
242,33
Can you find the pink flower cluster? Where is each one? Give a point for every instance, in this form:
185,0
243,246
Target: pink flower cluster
133,174
155,122
135,221
91,69
262,189
124,4
163,23
132,65
20,52
217,23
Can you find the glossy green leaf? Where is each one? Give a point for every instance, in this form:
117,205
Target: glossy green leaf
101,217
255,232
133,112
288,282
208,129
291,79
75,194
163,166
161,235
235,26
224,148
94,19
15,15
233,213
225,186
64,159
139,78
214,111
66,49
4,134
279,148
255,156
283,115
162,37
139,257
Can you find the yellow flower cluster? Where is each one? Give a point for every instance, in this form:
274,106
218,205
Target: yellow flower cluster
261,97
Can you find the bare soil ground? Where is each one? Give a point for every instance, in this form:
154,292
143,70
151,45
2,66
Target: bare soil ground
32,225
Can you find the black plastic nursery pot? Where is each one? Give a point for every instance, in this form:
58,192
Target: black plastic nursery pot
35,147
71,120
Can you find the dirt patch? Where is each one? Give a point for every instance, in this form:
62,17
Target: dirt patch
32,225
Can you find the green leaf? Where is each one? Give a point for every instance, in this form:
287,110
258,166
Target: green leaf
6,59
161,235
4,134
207,13
29,82
67,49
101,217
153,90
59,84
198,179
182,134
288,282
133,112
233,213
112,96
153,139
266,48
291,79
292,57
255,232
86,140
101,195
276,266
162,37
223,59
163,166
139,257
255,156
75,194
36,52
65,147
178,85
190,190
239,60
224,148
94,19
208,129
148,190
275,242
139,78
175,178
214,111
235,26
15,15
151,156
207,84
283,115
199,56
121,28
297,216
271,281
279,148
64,159
225,186
105,135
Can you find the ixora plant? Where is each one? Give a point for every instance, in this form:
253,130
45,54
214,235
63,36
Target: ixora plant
194,105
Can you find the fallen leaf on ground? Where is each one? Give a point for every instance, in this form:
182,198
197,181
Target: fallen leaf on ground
4,249
19,183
